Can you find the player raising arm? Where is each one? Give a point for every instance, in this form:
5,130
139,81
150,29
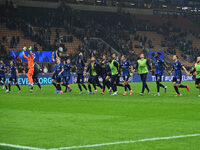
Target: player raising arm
30,66
177,67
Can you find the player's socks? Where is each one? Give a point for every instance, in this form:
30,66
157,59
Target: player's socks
183,86
147,88
161,85
143,87
108,84
55,85
94,86
80,88
69,87
84,87
158,88
176,89
129,87
39,85
58,87
9,87
6,87
18,87
89,87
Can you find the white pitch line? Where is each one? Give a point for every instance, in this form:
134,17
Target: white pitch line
125,142
20,147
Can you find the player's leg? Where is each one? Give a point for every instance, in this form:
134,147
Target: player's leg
114,84
16,83
53,80
82,82
197,84
176,86
182,86
79,84
67,83
38,83
94,82
98,83
9,85
3,79
89,86
128,85
104,84
58,90
125,85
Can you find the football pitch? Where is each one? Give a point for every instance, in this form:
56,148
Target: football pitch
44,120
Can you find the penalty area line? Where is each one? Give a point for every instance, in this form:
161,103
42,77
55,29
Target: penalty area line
125,142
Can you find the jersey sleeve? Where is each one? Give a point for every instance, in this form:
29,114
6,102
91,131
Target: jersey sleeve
25,56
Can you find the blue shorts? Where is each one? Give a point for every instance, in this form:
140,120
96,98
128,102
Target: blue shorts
126,78
177,79
66,79
93,79
15,79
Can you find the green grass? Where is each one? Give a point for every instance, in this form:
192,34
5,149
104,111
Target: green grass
46,120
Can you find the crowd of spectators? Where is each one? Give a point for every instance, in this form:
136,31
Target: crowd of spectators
119,30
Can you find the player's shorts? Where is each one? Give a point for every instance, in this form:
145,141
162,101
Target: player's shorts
15,79
35,79
58,79
126,78
158,78
80,78
177,80
197,81
54,76
114,78
66,79
2,78
92,79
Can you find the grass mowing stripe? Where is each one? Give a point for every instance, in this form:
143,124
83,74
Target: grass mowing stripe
125,142
20,147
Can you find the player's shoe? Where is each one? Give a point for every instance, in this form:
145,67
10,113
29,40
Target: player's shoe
61,92
110,91
115,93
178,95
81,92
102,93
188,89
7,91
88,92
70,90
95,92
124,94
158,94
198,95
3,87
141,94
149,92
41,89
165,89
131,92
31,91
56,91
19,91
